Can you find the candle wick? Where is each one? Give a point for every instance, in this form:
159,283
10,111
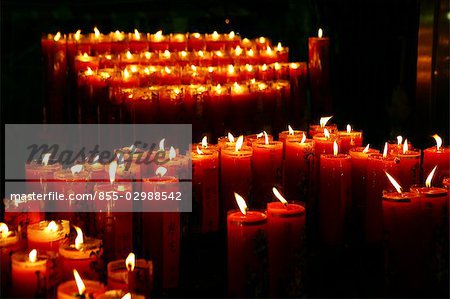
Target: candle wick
285,204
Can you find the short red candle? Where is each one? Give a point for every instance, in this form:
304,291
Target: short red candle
9,243
69,289
30,278
246,253
350,140
440,157
47,235
409,167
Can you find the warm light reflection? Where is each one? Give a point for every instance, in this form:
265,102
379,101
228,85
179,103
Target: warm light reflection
241,203
430,177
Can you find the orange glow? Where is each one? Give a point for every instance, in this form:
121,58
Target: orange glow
77,35
269,51
130,261
294,65
166,54
264,67
167,70
196,35
262,40
230,69
158,36
238,51
231,35
89,72
250,53
430,177
80,284
248,68
241,203
394,183
57,36
215,35
277,66
279,47
126,74
200,53
126,296
438,141
219,53
137,35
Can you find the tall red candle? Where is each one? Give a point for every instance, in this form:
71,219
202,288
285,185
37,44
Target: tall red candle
437,155
247,252
334,195
285,237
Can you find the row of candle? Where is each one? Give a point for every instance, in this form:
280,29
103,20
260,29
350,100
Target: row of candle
117,42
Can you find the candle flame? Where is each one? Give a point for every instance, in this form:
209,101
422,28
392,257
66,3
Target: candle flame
279,47
126,296
196,35
130,261
215,35
167,70
183,54
238,51
266,138
250,53
137,35
77,35
320,33
326,133
323,121
172,153
76,169
79,239
438,141
262,40
230,69
118,35
241,203
200,53
161,144
161,171
96,33
112,171
158,35
349,129
52,227
405,146
399,140
277,66
219,53
303,138
294,65
430,177
264,67
366,149
129,55
269,50
147,55
32,256
385,150
166,54
248,67
230,137
80,284
126,74
231,35
205,141
4,230
199,151
291,131
57,36
335,149
89,72
394,182
259,135
45,159
279,196
239,143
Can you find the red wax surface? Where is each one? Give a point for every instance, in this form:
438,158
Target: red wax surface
285,230
247,253
334,196
349,140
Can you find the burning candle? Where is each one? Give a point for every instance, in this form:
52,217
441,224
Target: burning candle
195,42
9,243
285,237
253,138
334,195
298,168
402,220
137,42
324,143
79,288
47,235
84,255
409,165
30,274
38,172
319,71
247,253
130,275
205,181
315,129
158,42
377,165
438,155
290,134
267,165
236,172
350,139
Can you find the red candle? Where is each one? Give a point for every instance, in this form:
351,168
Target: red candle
267,162
83,62
47,235
79,288
118,44
285,237
334,195
290,134
319,71
30,274
236,172
137,42
214,41
205,184
84,255
9,243
196,42
158,42
350,139
317,129
253,138
438,155
100,43
409,166
324,143
247,252
299,168
402,219
37,174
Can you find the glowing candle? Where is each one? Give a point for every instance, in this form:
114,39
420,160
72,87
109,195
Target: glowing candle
79,288
437,155
9,243
47,235
350,139
30,272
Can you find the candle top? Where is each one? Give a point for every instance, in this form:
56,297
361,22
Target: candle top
88,247
379,157
429,191
441,150
48,231
230,150
277,208
271,144
69,289
22,259
395,196
7,236
251,218
51,165
410,153
117,294
67,174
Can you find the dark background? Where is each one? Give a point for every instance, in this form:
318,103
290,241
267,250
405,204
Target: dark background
373,49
